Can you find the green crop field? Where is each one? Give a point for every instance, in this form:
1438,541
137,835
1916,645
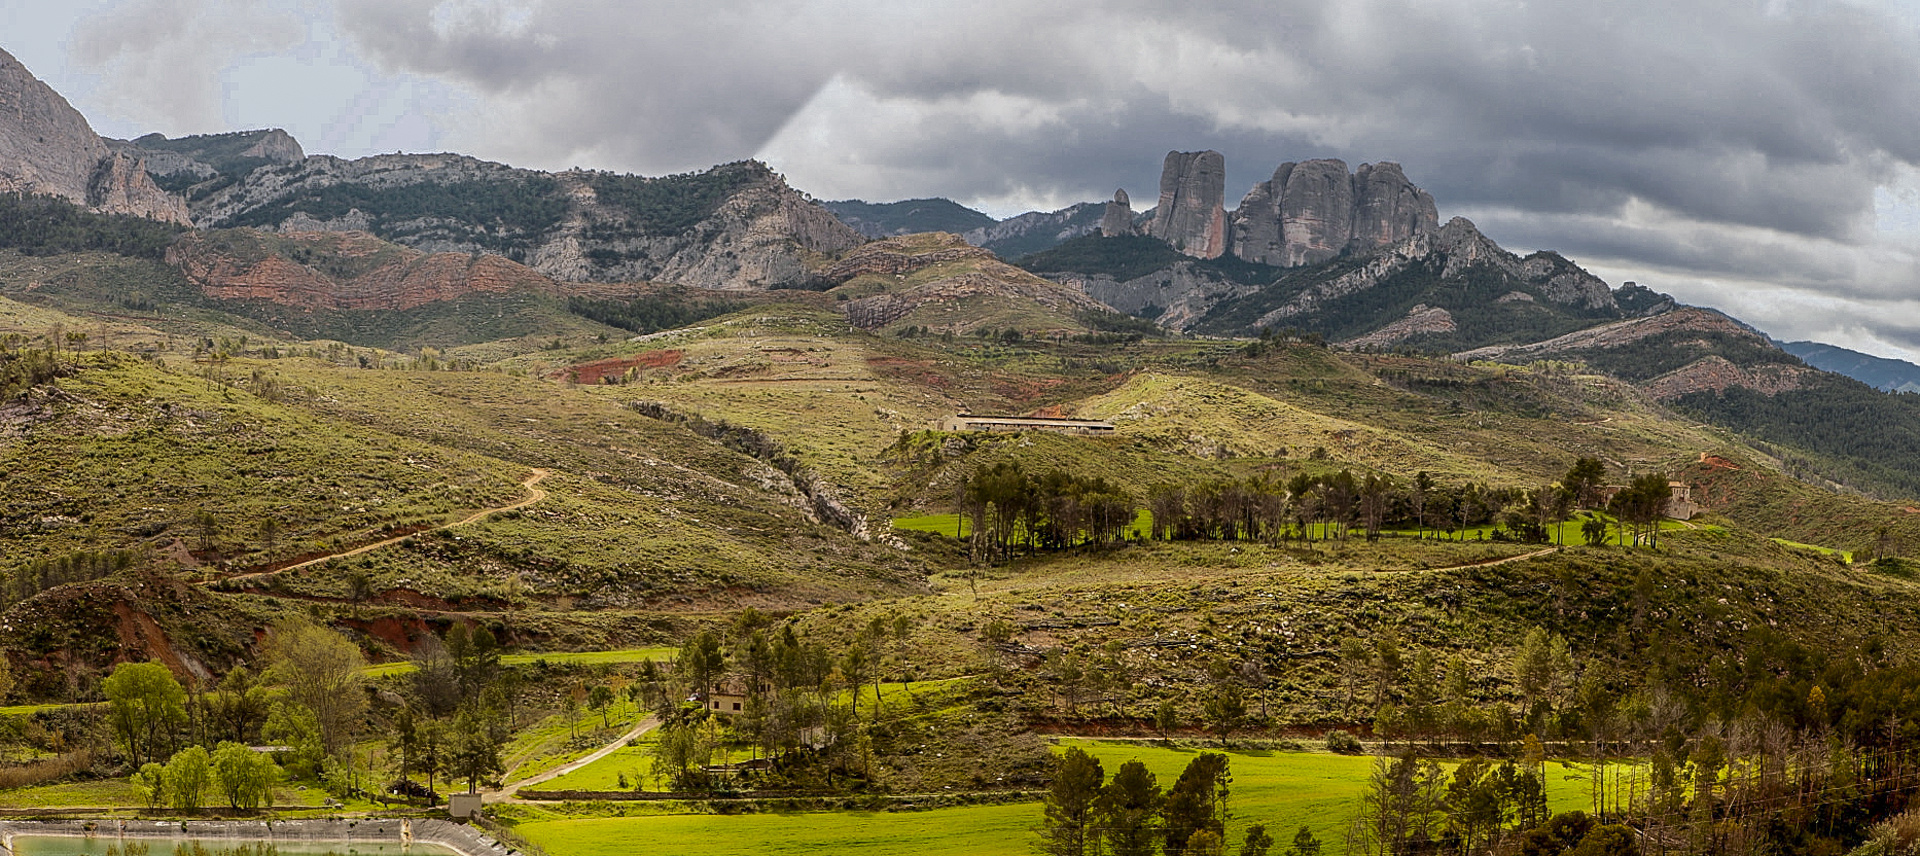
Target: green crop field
1283,790
970,831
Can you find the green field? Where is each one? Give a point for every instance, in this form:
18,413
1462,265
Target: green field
1843,554
1283,790
1000,830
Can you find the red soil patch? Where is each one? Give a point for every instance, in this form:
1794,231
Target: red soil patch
595,371
1715,462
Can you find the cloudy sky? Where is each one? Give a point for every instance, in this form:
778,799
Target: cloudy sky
1760,157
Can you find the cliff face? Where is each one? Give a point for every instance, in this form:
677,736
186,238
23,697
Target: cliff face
1452,250
46,147
1387,208
1117,217
1191,216
1314,211
736,226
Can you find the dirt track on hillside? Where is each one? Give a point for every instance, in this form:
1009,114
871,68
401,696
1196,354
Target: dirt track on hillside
534,494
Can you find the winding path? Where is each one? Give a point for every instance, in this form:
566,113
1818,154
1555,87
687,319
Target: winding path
534,494
512,791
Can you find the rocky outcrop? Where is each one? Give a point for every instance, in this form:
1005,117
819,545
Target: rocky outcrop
1718,374
1192,216
1255,225
1422,320
1314,211
1387,208
1455,248
47,147
343,271
206,156
1686,319
746,229
1117,220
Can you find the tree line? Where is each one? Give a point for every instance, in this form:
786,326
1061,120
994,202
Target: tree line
1012,511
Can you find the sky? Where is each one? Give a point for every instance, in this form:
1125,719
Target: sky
1760,157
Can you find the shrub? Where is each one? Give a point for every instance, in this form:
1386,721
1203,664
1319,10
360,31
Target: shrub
1342,743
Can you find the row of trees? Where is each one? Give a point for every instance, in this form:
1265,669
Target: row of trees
1011,510
241,776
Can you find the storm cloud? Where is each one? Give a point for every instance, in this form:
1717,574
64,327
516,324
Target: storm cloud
1757,154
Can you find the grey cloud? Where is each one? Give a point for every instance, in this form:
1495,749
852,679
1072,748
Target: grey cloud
1756,132
162,59
1711,108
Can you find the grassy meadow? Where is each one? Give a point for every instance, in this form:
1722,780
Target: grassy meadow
1285,790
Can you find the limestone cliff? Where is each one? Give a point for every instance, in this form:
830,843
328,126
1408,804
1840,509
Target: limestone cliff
736,226
1117,219
1454,248
47,147
1314,211
1387,208
1191,216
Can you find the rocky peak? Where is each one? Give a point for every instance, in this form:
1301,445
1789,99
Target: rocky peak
47,147
1316,212
1387,208
1118,219
1192,216
1313,211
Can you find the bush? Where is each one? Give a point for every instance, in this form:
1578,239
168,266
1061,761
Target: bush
1340,742
48,770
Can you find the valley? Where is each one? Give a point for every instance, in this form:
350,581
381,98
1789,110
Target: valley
628,509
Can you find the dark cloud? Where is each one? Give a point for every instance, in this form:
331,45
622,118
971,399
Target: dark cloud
1717,141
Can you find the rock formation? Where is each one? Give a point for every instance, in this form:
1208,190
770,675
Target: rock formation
1387,208
1316,212
47,147
752,230
1192,215
1255,225
1118,219
1311,212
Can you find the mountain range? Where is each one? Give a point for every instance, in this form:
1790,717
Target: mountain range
444,250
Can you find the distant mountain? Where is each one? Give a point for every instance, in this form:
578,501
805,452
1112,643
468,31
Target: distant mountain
887,219
1878,372
1035,231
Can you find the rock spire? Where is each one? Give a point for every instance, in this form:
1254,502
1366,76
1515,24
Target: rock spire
1191,215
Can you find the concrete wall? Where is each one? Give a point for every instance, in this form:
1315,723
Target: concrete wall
459,838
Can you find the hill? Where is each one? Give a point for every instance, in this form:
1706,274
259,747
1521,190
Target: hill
887,219
1878,372
734,226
